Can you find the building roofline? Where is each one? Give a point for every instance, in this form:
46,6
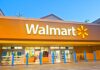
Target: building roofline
96,21
46,20
50,15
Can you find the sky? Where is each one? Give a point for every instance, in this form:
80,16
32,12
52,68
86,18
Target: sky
69,10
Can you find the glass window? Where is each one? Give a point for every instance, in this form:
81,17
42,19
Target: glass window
54,47
19,53
15,47
26,48
29,48
4,53
44,48
62,47
9,47
37,47
6,47
70,47
18,47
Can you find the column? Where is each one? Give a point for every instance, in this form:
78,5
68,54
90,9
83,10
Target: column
64,57
94,53
53,58
85,58
75,57
12,58
40,58
27,56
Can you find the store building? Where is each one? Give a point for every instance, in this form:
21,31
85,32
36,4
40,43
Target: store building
48,35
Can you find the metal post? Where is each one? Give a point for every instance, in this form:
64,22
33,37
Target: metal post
94,53
64,57
85,58
53,58
75,57
27,59
12,58
40,58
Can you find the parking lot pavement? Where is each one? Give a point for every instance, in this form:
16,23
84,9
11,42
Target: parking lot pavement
60,66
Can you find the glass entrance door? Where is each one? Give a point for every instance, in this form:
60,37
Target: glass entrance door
45,52
37,55
18,56
56,55
33,54
62,55
7,55
65,53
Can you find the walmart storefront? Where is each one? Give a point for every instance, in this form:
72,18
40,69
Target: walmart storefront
23,40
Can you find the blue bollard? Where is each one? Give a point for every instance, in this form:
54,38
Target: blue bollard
85,58
27,59
75,57
53,58
64,57
94,53
40,58
12,58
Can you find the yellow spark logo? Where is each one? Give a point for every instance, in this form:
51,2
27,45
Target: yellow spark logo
82,31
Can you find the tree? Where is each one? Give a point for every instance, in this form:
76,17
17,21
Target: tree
87,20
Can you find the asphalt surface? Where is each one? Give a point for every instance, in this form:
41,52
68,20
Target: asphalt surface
60,66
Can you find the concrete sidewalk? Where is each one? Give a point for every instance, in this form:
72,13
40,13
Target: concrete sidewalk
61,66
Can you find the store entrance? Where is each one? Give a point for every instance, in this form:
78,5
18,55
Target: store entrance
67,54
56,55
60,52
7,55
45,56
33,54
